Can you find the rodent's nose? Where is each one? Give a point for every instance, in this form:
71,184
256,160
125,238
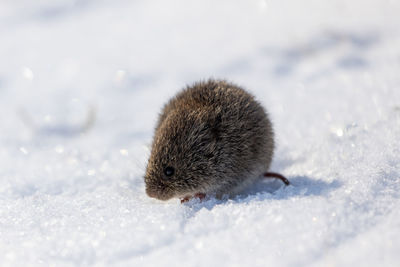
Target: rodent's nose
154,193
151,193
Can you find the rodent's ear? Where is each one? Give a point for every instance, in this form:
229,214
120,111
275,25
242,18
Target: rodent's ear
214,135
215,127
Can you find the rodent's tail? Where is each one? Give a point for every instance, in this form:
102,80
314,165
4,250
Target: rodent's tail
278,176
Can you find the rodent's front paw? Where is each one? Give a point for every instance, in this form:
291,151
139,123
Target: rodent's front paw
200,196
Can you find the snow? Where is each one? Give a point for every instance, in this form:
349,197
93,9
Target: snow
328,73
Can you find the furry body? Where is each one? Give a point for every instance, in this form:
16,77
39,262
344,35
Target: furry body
215,136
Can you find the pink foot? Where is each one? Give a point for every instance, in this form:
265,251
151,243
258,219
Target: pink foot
201,196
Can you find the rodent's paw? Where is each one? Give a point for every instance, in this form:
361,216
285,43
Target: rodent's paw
200,196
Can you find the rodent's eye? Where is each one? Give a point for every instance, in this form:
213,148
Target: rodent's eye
169,171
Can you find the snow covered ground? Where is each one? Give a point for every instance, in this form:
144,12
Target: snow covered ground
327,71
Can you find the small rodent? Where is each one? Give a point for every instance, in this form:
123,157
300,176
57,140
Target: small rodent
212,138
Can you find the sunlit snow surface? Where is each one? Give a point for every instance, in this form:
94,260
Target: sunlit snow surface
327,71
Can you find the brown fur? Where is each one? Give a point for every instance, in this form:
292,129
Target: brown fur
215,135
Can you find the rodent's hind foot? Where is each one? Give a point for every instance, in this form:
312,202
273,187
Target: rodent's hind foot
278,176
200,196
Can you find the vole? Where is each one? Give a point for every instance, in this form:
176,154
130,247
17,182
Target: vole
212,138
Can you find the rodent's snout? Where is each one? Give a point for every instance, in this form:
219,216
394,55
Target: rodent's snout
151,193
157,193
